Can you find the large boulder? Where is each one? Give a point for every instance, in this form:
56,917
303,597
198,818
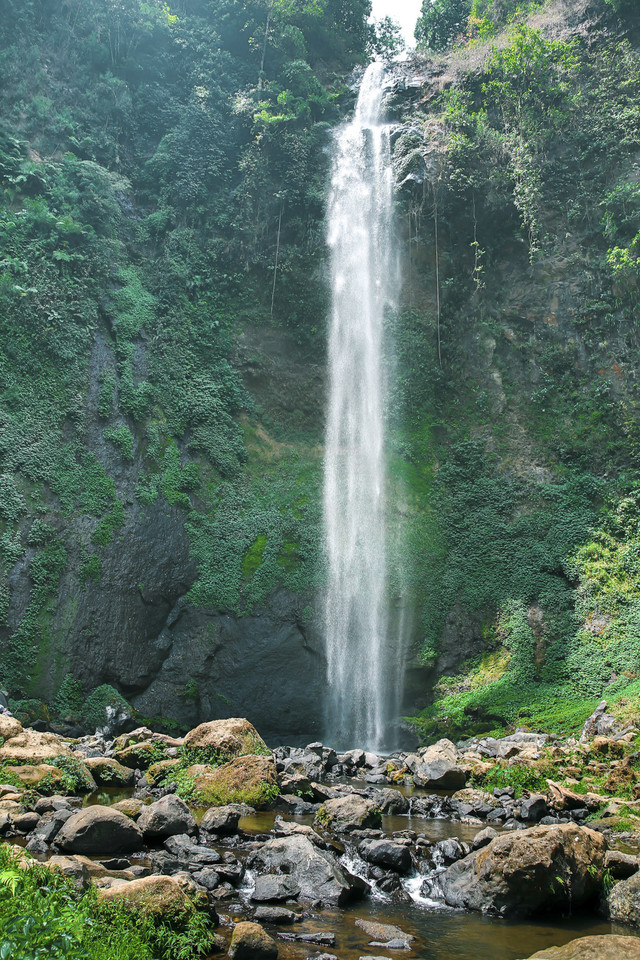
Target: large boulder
352,812
23,745
317,872
250,942
156,895
230,738
38,777
388,854
247,779
437,768
519,873
624,901
167,817
609,947
99,830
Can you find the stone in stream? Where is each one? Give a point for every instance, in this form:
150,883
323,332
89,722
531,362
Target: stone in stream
182,847
317,872
98,829
383,931
250,942
483,838
519,873
272,887
387,853
610,947
349,813
167,817
275,915
222,819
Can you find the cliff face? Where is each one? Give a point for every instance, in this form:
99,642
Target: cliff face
162,372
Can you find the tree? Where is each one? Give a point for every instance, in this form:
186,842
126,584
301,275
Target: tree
440,22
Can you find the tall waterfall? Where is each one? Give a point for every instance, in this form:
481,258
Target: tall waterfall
363,681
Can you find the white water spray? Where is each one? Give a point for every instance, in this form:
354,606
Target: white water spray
364,282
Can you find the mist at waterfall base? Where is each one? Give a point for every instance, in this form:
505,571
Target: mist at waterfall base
364,668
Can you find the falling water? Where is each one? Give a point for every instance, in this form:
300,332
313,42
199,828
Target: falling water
364,281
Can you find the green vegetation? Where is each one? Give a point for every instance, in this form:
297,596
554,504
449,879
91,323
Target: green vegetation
42,915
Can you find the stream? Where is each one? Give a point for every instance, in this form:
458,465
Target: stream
440,932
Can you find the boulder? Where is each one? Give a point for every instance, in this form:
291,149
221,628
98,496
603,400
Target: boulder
158,896
24,745
521,872
349,813
249,779
621,865
317,872
233,737
39,775
98,829
140,756
387,854
383,931
273,887
609,947
221,819
624,901
276,915
250,942
438,768
167,817
187,850
107,772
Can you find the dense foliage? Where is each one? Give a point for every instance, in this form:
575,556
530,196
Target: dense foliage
43,915
162,174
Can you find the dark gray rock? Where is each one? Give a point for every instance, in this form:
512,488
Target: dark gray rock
388,854
279,916
167,817
534,809
317,872
274,887
185,849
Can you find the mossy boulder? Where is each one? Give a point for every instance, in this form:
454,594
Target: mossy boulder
140,756
158,896
611,947
23,745
107,772
157,771
225,739
345,814
40,775
249,779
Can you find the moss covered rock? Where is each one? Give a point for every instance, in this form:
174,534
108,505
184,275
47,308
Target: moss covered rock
248,779
233,737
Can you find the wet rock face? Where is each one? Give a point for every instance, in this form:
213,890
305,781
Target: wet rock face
518,874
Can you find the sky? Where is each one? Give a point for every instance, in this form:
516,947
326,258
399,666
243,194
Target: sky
406,12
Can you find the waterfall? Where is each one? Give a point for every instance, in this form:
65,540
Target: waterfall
362,677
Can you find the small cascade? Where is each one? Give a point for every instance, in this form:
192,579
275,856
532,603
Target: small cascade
363,664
